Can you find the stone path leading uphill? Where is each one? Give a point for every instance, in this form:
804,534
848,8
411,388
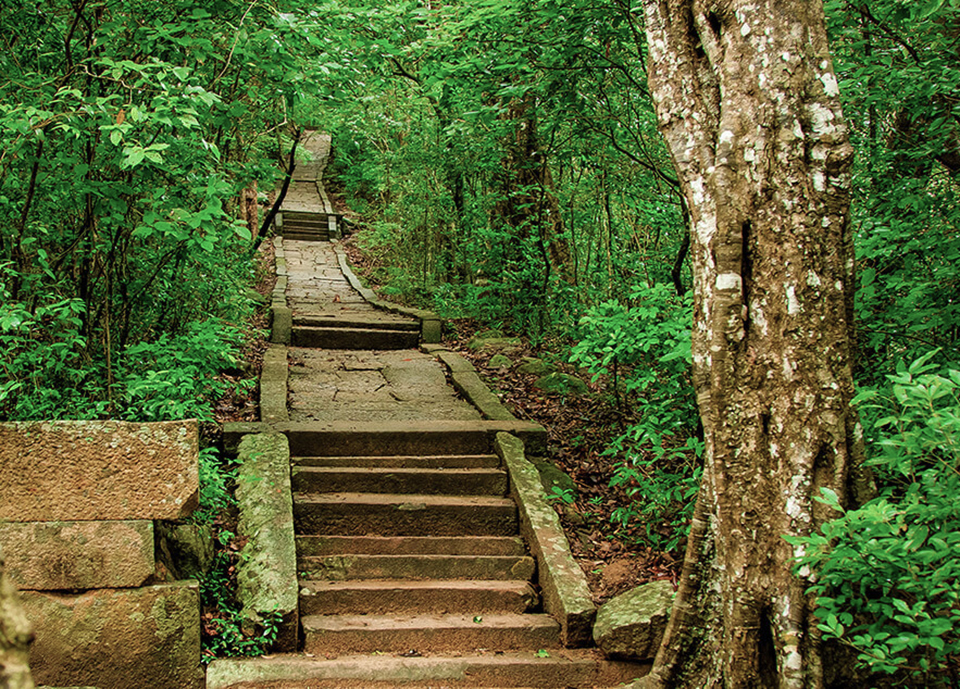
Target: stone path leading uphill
331,384
416,569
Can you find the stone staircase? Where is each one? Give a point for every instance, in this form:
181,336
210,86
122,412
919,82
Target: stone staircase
356,331
412,573
426,548
303,225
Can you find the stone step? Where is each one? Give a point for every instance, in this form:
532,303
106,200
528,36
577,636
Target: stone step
304,237
408,461
390,439
290,230
394,596
317,546
353,338
376,321
360,514
305,216
416,567
321,222
399,480
567,668
428,633
319,226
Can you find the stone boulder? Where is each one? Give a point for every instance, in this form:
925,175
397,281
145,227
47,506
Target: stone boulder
533,366
561,384
493,340
500,361
552,477
631,625
187,550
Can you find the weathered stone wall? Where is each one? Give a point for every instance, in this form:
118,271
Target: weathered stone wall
97,470
78,502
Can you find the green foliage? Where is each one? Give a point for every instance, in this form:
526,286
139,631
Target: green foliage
661,491
216,479
179,377
887,575
505,157
226,631
899,74
128,131
567,496
644,350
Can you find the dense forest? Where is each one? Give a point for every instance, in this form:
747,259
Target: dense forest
500,163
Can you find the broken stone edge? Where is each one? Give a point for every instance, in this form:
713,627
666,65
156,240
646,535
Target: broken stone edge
430,324
566,595
273,385
468,383
281,316
267,574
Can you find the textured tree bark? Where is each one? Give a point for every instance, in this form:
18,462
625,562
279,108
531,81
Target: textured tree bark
15,637
748,103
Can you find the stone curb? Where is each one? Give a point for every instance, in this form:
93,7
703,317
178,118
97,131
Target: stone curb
281,317
267,573
469,384
430,323
273,385
566,595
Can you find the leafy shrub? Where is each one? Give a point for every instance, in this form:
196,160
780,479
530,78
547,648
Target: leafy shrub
887,575
644,350
216,476
226,631
662,488
177,377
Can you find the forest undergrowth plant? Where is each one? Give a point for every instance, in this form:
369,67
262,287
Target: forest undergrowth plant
887,574
643,351
226,631
216,478
179,377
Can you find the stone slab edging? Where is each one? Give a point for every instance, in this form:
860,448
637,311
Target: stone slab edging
273,385
281,316
430,323
468,383
267,571
566,595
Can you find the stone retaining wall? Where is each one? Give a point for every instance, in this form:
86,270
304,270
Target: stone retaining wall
78,502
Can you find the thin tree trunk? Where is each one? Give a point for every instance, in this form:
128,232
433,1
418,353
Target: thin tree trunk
15,637
748,103
267,221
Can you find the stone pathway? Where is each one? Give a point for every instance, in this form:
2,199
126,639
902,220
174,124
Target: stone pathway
315,284
411,566
402,385
306,192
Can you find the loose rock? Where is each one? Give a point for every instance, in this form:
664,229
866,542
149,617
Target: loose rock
631,625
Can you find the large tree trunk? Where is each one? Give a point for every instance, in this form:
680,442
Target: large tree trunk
748,103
